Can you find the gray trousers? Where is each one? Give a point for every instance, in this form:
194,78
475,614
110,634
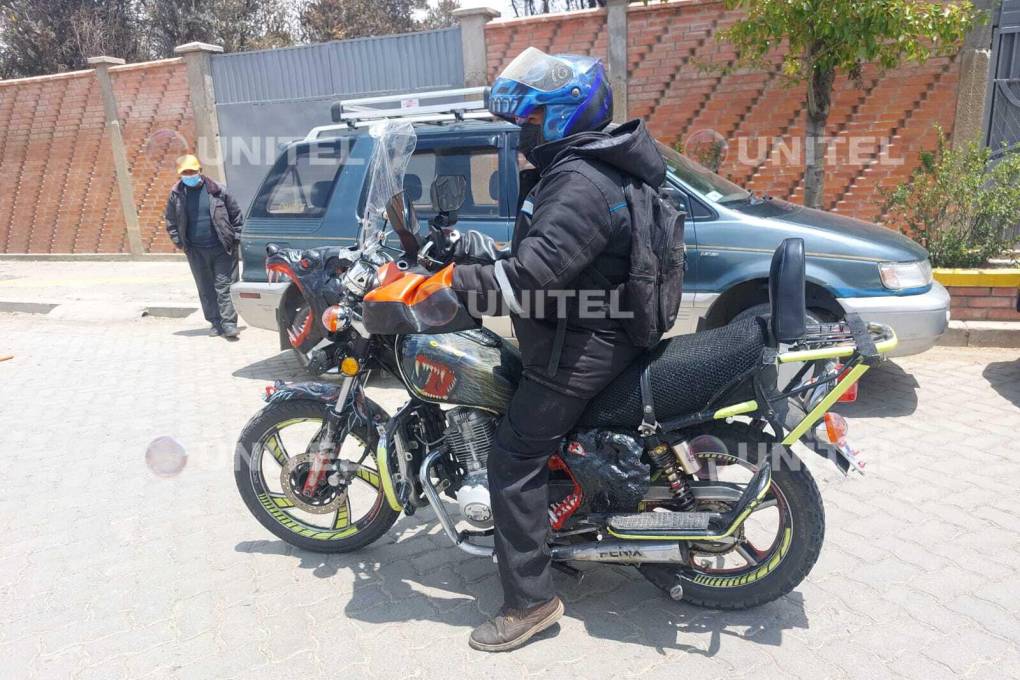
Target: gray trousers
214,270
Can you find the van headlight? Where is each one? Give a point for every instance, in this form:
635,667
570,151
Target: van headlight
902,275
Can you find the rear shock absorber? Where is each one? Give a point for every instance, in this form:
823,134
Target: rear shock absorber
667,461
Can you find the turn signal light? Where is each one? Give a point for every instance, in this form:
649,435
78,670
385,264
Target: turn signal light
350,367
331,318
835,427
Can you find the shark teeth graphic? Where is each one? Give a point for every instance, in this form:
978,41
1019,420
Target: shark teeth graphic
434,380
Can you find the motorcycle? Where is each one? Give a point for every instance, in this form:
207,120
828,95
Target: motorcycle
682,467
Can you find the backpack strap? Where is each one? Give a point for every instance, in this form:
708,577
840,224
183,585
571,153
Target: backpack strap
649,423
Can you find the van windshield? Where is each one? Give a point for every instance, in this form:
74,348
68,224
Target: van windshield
710,185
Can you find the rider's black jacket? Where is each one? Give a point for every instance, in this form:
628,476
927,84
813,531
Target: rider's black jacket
572,234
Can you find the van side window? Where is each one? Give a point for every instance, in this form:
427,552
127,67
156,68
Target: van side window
300,183
479,166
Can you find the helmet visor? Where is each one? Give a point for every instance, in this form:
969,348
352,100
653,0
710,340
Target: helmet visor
535,69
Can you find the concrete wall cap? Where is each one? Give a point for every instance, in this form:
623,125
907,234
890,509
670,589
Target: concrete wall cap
187,48
105,61
476,11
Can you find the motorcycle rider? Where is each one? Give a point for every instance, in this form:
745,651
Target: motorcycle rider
572,236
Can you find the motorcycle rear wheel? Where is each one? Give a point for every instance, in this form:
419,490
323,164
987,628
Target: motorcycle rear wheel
787,562
261,447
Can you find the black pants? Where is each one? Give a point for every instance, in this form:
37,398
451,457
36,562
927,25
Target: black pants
214,270
530,433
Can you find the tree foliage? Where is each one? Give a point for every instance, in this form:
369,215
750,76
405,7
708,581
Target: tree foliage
53,36
527,8
823,37
50,36
962,204
237,25
323,20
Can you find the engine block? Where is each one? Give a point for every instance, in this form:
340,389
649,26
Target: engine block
470,436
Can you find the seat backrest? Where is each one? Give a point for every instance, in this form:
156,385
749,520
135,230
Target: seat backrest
786,292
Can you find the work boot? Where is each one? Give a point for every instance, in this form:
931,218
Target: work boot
229,330
512,628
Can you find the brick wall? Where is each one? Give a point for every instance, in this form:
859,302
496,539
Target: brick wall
60,194
983,303
154,108
674,84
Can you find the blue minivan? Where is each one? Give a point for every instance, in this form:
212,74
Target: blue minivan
314,193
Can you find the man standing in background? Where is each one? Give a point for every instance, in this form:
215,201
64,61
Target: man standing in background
204,221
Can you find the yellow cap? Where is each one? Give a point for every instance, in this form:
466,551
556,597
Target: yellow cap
188,162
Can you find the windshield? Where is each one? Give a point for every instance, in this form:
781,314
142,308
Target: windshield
394,144
701,179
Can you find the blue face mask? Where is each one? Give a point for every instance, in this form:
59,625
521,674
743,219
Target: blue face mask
191,180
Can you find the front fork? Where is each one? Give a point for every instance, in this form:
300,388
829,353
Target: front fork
337,425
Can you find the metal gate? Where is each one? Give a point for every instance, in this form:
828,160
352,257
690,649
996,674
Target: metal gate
267,98
1004,106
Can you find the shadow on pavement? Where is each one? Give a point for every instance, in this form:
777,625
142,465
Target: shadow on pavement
1004,377
886,391
202,332
614,602
282,366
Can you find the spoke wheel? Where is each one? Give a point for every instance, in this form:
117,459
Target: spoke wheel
274,456
776,546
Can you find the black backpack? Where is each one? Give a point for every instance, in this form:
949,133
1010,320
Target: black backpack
658,259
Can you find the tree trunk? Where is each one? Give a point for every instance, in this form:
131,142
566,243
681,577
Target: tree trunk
815,142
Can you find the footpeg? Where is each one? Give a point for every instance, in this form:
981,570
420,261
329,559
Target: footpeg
693,526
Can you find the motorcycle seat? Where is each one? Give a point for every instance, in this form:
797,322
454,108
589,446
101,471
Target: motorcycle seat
686,372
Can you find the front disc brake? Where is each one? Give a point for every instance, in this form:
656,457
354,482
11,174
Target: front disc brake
292,479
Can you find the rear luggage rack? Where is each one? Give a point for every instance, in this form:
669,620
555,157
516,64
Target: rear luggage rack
434,106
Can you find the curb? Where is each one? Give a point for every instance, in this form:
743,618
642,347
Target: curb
1005,334
157,311
91,257
978,278
16,307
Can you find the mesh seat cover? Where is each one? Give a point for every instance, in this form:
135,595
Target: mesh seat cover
686,372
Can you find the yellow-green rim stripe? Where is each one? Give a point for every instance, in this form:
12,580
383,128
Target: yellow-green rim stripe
825,404
382,462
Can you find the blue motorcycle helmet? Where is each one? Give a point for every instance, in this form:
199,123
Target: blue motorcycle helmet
574,89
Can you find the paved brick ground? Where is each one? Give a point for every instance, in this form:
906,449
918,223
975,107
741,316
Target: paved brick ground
107,571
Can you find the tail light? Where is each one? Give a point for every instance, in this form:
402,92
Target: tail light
851,394
835,427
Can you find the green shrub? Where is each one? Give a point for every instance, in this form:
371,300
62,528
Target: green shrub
963,205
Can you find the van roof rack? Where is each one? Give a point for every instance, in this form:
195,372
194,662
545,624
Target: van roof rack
433,106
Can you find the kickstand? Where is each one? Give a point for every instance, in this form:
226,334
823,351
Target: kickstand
570,571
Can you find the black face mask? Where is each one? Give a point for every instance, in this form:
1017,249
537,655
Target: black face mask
530,137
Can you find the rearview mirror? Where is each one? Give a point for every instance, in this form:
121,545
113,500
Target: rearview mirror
448,192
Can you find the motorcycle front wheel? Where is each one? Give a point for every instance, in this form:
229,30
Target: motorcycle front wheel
272,461
772,551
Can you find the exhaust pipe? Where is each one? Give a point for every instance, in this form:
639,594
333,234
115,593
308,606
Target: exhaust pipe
627,552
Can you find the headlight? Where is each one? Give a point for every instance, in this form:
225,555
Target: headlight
901,275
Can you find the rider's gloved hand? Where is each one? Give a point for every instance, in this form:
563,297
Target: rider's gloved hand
474,247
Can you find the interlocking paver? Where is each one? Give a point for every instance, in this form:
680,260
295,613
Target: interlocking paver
108,571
